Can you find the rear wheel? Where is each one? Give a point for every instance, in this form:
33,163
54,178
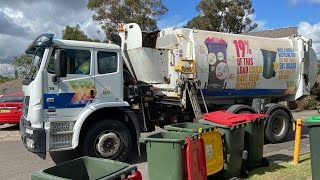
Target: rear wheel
108,139
278,126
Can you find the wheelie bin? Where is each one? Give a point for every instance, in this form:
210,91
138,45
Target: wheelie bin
166,154
87,168
188,127
313,124
231,127
212,143
254,140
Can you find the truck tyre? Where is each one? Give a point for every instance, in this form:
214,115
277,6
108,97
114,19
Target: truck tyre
278,126
109,139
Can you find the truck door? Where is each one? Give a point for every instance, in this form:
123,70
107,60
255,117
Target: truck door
108,77
68,97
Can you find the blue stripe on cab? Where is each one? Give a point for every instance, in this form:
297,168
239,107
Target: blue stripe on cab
61,100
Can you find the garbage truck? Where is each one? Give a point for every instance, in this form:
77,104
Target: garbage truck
98,97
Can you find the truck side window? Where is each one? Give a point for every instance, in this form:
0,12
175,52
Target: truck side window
78,61
51,63
107,62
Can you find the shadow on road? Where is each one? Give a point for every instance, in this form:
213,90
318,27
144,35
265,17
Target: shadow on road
63,156
277,158
135,158
9,127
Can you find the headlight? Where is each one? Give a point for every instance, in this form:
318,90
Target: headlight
30,143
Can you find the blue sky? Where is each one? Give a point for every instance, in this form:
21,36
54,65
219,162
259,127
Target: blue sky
269,14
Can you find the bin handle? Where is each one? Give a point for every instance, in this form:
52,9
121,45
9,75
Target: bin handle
200,130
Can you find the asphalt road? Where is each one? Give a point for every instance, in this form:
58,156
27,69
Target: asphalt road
17,163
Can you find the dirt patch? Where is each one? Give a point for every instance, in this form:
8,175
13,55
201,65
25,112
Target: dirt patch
14,86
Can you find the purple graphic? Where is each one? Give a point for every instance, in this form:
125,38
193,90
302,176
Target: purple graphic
217,59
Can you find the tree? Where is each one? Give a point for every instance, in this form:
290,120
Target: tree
230,16
16,74
6,69
74,33
112,13
22,64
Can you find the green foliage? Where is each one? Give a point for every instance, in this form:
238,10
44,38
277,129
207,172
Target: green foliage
307,103
22,65
224,16
5,79
16,74
318,67
74,33
112,13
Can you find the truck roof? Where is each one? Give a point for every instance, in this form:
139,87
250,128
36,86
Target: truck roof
86,44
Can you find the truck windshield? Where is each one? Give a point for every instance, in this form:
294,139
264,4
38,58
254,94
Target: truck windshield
36,62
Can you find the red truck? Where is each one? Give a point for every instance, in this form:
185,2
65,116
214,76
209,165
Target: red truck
11,108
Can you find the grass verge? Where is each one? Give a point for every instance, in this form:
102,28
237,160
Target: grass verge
284,170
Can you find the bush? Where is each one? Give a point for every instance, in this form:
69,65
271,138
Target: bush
5,79
308,103
292,105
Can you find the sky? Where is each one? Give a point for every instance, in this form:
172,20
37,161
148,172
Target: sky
23,20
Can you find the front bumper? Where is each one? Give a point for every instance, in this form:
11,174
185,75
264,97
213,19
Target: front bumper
34,139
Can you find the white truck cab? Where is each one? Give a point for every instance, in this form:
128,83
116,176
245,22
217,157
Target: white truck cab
69,80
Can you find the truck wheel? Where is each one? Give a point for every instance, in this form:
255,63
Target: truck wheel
278,126
109,139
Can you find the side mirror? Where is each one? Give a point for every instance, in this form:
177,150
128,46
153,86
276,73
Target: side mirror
60,65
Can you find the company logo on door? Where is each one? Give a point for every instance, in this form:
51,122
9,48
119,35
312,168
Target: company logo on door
82,92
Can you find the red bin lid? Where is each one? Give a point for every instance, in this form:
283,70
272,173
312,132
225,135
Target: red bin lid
225,118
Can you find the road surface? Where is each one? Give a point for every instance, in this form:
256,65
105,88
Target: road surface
16,163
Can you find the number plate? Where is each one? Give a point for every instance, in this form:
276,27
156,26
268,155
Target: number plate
4,110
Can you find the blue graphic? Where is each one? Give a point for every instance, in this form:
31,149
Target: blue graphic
61,100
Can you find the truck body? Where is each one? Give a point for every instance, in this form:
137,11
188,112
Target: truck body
146,79
228,66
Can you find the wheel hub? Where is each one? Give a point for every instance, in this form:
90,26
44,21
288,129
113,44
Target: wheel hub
108,144
278,126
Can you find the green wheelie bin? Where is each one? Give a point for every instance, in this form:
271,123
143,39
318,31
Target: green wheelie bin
188,127
86,168
166,155
254,140
212,142
313,124
232,130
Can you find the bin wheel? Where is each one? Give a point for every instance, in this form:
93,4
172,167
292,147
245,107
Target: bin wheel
265,162
278,126
109,139
244,172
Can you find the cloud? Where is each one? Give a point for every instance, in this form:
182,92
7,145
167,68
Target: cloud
261,23
295,2
10,28
22,21
311,31
173,21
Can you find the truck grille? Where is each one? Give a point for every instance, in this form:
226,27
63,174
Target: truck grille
61,140
61,134
61,126
26,106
